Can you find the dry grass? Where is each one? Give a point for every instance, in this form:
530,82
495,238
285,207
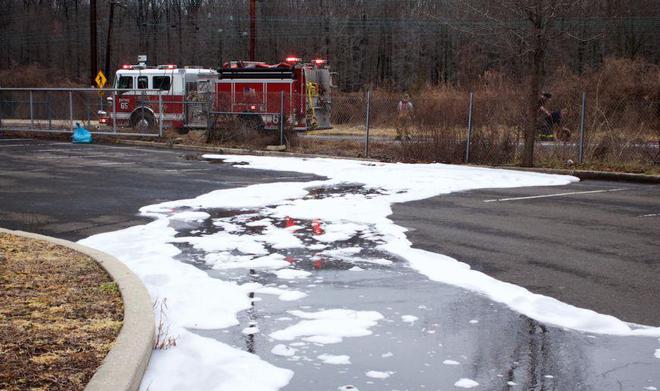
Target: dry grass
59,317
622,124
354,130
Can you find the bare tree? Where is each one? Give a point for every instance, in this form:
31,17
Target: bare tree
525,29
396,45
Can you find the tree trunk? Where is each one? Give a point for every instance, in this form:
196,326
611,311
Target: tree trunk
534,104
532,114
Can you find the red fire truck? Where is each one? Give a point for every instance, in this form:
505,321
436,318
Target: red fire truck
257,87
145,91
252,91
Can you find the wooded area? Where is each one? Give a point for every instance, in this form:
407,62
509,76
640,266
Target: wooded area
399,44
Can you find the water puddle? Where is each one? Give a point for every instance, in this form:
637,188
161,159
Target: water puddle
339,312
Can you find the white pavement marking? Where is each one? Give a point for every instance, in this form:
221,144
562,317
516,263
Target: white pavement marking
651,215
114,163
554,195
185,169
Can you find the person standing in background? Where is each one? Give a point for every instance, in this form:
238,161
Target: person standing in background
404,117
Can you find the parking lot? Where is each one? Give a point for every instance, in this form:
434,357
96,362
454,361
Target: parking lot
74,191
592,244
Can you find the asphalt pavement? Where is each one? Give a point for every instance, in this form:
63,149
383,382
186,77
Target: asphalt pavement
74,191
595,250
593,244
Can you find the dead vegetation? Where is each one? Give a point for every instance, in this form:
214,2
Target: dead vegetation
59,317
622,122
163,340
36,75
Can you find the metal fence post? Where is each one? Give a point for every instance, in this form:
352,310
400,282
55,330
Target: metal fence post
114,111
49,111
160,114
88,114
582,113
469,129
210,98
366,125
281,117
31,112
71,108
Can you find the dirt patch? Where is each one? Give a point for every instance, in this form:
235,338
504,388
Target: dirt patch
60,315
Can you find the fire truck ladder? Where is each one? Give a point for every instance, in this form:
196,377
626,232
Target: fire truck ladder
312,92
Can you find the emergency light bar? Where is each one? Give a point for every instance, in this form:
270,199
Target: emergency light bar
167,66
293,59
129,66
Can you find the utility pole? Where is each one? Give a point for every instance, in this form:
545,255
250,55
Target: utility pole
93,60
108,50
108,42
253,31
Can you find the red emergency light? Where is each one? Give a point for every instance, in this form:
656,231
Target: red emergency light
127,66
167,66
319,61
292,59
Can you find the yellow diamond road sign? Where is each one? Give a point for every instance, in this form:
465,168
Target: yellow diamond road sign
100,79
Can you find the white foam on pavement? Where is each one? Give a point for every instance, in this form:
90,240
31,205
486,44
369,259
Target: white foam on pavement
409,318
408,182
332,359
290,274
329,326
283,350
194,300
379,374
466,383
198,363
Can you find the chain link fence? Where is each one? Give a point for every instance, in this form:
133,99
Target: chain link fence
489,129
59,110
450,127
627,131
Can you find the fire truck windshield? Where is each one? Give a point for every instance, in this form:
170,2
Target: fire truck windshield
161,83
125,82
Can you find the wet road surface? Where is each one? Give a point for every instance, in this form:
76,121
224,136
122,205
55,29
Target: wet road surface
431,334
75,191
593,244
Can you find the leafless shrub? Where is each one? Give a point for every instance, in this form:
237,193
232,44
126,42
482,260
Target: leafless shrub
234,130
162,340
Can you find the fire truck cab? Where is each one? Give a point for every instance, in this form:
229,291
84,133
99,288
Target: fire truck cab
149,90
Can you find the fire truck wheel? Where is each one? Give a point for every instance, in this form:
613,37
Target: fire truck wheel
142,121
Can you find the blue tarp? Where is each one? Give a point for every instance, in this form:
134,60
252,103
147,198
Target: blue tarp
81,135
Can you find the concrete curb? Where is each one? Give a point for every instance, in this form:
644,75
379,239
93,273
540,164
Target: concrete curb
123,367
594,175
229,151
